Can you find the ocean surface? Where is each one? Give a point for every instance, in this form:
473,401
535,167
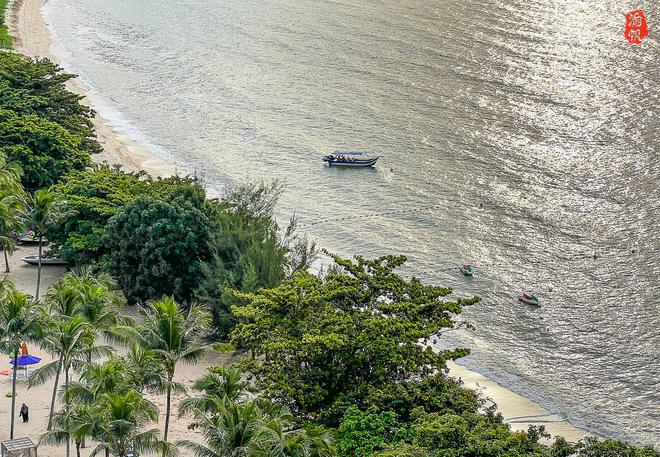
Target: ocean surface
519,136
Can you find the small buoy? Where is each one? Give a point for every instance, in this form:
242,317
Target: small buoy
392,170
633,251
595,256
550,289
481,205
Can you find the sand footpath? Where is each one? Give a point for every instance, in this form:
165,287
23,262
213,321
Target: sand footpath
32,38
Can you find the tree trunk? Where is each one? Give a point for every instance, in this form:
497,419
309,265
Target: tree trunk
77,449
6,262
66,407
52,401
13,395
167,411
36,295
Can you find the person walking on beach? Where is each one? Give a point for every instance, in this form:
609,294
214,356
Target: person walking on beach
24,413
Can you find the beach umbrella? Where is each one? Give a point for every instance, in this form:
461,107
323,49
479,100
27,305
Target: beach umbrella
25,359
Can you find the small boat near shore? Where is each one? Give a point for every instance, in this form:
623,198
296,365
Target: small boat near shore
30,239
467,270
349,159
34,260
529,299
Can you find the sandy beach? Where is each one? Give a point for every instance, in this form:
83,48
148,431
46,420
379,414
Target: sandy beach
37,398
31,37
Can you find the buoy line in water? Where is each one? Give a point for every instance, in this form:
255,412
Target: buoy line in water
379,214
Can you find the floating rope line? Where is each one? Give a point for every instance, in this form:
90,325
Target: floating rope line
381,214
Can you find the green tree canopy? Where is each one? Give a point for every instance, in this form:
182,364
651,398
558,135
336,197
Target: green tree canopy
37,86
155,247
326,341
45,150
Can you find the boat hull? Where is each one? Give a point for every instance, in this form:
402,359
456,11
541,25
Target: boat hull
529,301
34,260
352,164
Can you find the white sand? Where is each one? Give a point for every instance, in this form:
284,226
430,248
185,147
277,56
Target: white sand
38,398
31,37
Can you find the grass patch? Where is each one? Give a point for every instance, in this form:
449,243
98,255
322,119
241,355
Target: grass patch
5,39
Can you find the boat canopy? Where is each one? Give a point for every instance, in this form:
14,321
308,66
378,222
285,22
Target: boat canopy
349,153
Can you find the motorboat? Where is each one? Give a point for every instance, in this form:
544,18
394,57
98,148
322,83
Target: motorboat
529,299
467,270
34,260
349,159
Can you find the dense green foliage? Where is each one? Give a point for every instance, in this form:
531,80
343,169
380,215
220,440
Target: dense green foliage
356,329
44,127
342,354
158,247
236,423
5,38
91,197
248,253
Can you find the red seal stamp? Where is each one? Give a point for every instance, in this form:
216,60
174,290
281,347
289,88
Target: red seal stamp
636,28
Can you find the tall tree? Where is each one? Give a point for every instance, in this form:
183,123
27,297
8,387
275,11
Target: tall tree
11,205
326,339
20,320
120,422
69,340
43,210
174,334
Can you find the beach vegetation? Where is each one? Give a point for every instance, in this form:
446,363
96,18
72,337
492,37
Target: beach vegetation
174,335
354,330
38,87
44,150
236,422
20,320
5,38
12,201
42,210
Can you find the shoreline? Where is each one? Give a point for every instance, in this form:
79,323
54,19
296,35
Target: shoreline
32,38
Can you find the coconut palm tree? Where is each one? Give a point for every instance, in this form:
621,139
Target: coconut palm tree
119,422
174,335
218,383
71,425
11,219
10,173
69,340
20,320
43,210
254,428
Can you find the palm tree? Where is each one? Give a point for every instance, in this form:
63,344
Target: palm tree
174,335
43,210
101,301
69,340
255,429
63,299
118,424
10,173
11,220
228,431
72,425
11,204
20,320
219,383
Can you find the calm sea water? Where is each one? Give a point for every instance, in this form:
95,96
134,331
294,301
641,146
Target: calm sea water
539,110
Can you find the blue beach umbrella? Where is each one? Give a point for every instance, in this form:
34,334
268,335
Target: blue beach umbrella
25,360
